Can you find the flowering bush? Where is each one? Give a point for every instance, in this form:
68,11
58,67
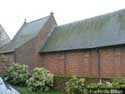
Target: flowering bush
17,74
41,80
119,83
106,85
75,86
92,86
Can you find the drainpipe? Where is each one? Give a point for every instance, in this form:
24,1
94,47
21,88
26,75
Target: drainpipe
64,63
98,63
14,57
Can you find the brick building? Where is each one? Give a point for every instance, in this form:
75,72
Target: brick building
91,47
4,39
24,47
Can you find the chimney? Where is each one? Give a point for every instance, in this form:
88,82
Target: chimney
51,13
25,20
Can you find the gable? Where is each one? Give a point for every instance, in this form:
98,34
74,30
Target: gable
27,32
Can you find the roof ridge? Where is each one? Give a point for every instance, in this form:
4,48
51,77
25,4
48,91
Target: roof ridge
101,15
19,30
25,23
5,31
38,19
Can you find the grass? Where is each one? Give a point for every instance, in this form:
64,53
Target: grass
25,90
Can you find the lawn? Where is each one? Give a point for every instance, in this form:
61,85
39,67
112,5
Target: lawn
25,90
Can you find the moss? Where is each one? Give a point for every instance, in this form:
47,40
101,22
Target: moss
99,23
89,33
121,21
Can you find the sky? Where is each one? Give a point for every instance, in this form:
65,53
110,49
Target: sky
13,12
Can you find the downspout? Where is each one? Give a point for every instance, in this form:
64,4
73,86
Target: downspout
98,63
64,63
15,56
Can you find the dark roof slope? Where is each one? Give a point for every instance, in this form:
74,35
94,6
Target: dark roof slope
100,31
27,32
4,38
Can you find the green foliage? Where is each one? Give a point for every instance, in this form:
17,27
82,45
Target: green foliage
17,74
71,75
25,90
119,83
66,75
106,85
75,86
2,74
41,80
92,86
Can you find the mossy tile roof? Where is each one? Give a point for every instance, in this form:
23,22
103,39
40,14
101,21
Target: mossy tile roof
100,31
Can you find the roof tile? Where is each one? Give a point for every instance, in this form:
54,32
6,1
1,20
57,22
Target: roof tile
100,31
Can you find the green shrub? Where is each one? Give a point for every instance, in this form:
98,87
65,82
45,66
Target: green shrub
118,83
17,74
59,75
75,86
95,86
2,74
105,85
41,80
92,86
66,75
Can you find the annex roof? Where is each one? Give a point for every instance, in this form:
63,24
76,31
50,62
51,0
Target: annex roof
99,31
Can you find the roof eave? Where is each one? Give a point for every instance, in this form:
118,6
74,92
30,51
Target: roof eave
65,50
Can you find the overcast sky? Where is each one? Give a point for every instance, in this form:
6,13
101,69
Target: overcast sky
13,12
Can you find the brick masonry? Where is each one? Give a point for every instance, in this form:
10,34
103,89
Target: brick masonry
84,62
29,52
6,60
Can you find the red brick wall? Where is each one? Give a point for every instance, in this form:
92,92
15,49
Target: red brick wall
123,61
6,60
107,61
54,62
93,65
112,62
24,54
71,62
29,52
